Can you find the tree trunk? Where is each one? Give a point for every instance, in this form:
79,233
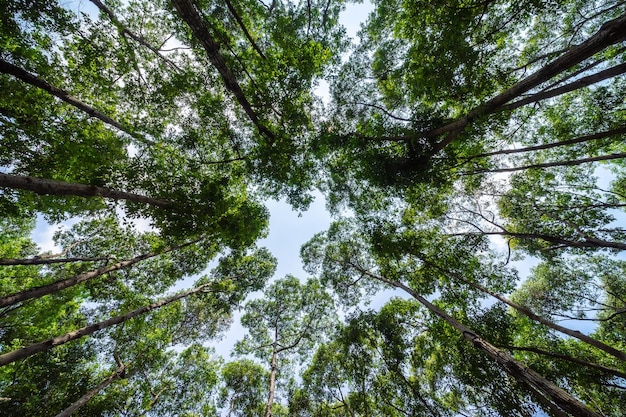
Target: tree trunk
85,276
510,365
27,77
581,139
92,392
580,83
604,369
586,243
610,33
190,15
127,32
528,313
272,389
48,261
30,350
573,162
53,187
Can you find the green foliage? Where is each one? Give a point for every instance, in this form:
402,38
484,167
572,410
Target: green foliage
206,119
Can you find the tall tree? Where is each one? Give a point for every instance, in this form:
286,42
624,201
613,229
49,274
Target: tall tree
286,322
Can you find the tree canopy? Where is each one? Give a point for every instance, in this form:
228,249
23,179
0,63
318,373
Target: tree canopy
471,154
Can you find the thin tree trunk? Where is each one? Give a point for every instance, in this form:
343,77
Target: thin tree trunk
548,405
53,187
610,33
34,348
77,279
272,388
92,392
604,369
137,38
528,313
510,365
575,85
581,139
27,77
233,11
586,243
191,16
48,261
573,162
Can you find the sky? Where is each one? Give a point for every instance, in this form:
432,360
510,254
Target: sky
288,230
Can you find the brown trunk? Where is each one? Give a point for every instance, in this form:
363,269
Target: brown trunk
581,139
190,15
244,29
604,369
47,261
92,392
553,164
53,187
527,312
30,350
85,276
272,389
581,83
127,32
610,33
586,243
27,77
510,365
547,404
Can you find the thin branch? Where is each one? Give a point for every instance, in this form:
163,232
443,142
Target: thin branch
232,11
124,31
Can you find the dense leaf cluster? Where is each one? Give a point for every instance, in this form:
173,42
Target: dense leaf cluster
472,153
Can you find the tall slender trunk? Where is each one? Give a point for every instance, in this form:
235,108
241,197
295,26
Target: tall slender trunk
610,33
510,365
48,261
140,39
581,139
575,85
604,369
585,243
30,350
528,313
272,388
27,77
92,392
189,13
572,162
45,186
85,276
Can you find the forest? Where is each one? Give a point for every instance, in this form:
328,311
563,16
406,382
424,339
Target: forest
471,154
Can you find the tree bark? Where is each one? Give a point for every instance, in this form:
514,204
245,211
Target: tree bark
581,139
58,188
610,33
272,388
586,243
573,162
27,77
582,82
604,369
92,392
34,348
85,276
137,38
188,12
244,29
48,261
510,365
528,313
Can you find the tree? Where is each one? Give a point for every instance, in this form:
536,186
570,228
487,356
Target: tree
284,323
244,387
